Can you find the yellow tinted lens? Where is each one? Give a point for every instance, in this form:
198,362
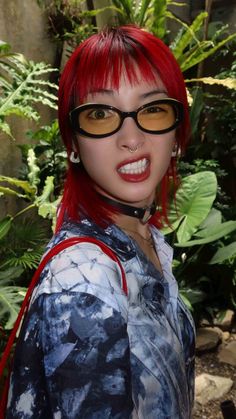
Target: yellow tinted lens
157,117
98,121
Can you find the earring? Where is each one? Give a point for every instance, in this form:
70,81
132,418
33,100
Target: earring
74,157
174,151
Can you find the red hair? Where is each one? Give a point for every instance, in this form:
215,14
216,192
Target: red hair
98,62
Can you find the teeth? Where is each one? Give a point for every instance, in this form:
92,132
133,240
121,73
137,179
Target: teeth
134,168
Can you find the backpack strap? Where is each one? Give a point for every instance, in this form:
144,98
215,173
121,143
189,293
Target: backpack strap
51,253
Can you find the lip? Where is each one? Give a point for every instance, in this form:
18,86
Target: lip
135,177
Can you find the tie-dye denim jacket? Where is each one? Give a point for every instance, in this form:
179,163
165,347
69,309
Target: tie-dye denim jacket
88,351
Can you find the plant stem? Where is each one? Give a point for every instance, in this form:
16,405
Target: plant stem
24,210
208,6
185,264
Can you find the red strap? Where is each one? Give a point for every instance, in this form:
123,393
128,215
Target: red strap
54,251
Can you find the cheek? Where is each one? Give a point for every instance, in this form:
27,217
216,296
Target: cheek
93,155
87,149
163,149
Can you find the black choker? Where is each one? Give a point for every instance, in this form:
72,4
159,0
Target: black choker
144,214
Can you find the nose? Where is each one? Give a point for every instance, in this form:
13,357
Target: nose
130,137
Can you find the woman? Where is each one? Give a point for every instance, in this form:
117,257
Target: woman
86,349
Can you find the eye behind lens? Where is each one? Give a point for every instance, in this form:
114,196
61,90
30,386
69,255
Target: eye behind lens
98,121
157,117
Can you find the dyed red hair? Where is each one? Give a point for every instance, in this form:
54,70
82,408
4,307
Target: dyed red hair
97,63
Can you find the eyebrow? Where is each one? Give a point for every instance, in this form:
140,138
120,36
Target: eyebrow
152,93
103,91
142,96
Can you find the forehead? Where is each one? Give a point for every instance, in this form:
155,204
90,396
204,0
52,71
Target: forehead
138,87
121,72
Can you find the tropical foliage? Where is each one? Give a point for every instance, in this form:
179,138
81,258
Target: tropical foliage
22,85
22,242
20,253
202,240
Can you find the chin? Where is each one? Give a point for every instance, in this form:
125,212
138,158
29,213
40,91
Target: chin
135,199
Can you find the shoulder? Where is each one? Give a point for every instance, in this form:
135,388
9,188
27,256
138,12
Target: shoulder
84,262
82,268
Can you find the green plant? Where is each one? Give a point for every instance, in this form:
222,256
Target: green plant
22,85
213,128
71,21
23,242
190,48
205,251
20,252
150,14
45,202
50,155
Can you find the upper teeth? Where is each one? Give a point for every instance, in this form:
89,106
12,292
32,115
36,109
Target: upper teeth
135,167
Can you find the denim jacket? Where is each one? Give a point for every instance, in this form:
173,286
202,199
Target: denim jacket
86,350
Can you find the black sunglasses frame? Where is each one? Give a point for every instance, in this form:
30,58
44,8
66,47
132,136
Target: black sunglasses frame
73,115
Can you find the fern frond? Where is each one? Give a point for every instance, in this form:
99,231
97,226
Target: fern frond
23,84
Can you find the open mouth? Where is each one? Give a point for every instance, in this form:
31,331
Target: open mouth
137,167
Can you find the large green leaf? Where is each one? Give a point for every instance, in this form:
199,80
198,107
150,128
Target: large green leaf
23,184
214,218
11,298
211,234
8,191
194,199
224,253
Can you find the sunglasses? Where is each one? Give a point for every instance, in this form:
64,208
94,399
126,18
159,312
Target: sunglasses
97,120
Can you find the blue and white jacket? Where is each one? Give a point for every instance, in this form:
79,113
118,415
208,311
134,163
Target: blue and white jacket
88,351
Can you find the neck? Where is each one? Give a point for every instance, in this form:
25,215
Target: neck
131,224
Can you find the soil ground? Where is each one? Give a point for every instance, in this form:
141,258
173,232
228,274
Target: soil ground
208,363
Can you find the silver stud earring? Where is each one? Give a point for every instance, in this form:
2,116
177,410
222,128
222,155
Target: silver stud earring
74,157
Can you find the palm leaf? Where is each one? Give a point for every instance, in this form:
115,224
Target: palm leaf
28,260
